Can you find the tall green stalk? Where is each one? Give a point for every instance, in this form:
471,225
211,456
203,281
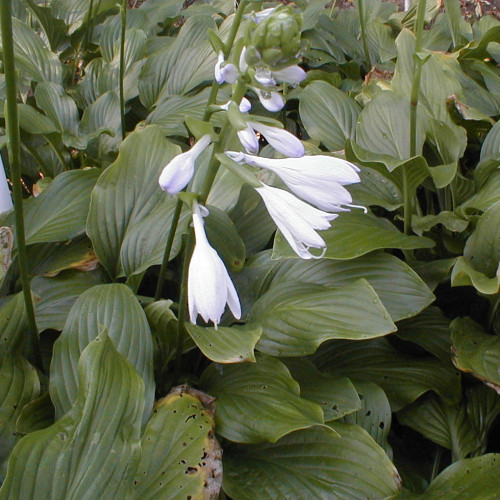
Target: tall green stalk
123,10
364,40
15,168
415,91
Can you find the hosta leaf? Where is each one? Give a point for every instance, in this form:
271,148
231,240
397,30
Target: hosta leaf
13,322
491,145
115,308
128,192
353,234
60,211
258,401
94,450
329,115
469,478
402,377
399,288
475,351
383,127
311,463
36,415
464,274
375,415
58,294
337,396
233,344
180,456
19,384
296,318
446,425
33,121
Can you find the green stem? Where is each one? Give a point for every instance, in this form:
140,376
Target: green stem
211,100
234,28
15,166
362,23
168,249
88,28
415,91
122,65
437,462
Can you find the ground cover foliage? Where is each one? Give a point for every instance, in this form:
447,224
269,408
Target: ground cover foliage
372,372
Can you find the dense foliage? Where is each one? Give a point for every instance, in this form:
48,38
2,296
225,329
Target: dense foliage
360,361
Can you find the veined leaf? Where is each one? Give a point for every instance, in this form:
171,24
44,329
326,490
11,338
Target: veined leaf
258,401
94,450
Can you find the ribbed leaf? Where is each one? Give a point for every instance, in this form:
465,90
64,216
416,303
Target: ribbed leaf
491,145
297,317
312,463
329,115
475,351
258,401
399,288
13,323
353,234
180,456
128,192
337,396
115,308
233,344
402,377
60,211
36,415
94,450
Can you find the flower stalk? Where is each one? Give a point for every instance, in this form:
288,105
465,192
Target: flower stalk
15,166
123,12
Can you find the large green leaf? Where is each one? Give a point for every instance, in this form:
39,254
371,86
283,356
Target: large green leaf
353,234
447,425
297,317
475,351
75,12
337,396
128,193
491,145
329,115
180,456
58,294
93,451
13,323
399,288
115,308
311,463
469,478
258,401
226,344
60,211
402,377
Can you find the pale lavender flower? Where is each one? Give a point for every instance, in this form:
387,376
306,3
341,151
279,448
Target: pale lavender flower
249,140
272,101
292,75
225,72
283,141
245,105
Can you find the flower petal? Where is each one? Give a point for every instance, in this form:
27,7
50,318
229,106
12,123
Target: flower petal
249,140
292,75
272,101
281,140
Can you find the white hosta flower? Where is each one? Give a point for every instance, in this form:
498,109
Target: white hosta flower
177,174
296,220
225,72
245,105
249,140
292,75
320,180
281,140
243,63
209,286
272,101
5,198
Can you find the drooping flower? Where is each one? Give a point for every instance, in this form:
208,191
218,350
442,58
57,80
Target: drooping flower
245,105
292,75
209,286
263,76
319,180
225,72
296,220
283,141
272,101
178,172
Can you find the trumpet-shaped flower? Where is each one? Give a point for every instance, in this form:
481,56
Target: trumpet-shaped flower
5,198
296,220
263,76
244,107
209,286
292,75
177,174
272,101
283,141
225,72
319,180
